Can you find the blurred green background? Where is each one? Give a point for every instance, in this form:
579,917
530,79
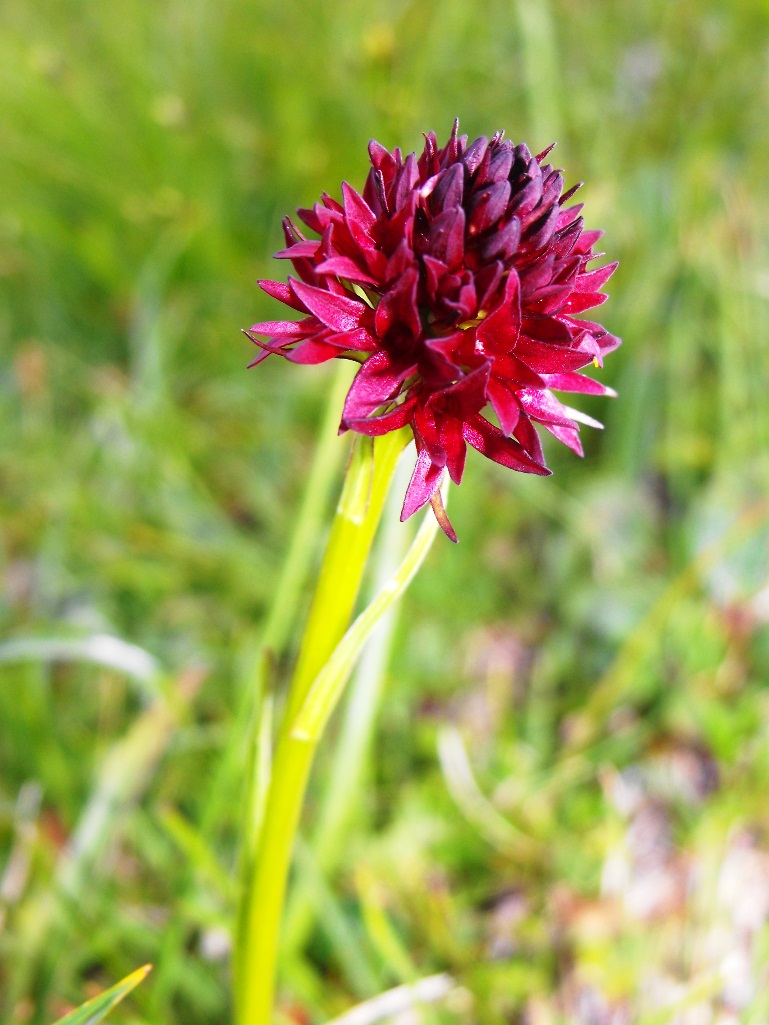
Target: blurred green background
565,798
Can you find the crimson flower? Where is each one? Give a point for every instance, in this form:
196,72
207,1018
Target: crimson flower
455,280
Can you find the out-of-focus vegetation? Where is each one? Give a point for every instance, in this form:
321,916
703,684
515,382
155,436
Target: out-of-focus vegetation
565,806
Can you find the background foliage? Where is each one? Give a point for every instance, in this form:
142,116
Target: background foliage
592,844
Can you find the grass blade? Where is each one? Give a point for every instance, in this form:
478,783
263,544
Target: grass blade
96,1009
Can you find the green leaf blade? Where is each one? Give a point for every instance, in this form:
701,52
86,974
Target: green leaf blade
94,1010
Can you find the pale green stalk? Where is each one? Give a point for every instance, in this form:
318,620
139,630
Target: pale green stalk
368,476
353,742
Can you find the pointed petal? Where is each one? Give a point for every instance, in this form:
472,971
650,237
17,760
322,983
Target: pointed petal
436,272
447,237
358,216
448,189
578,383
596,278
542,405
487,281
338,312
279,290
487,206
344,267
400,261
286,328
583,418
464,398
359,340
578,302
447,347
568,435
500,164
425,481
526,434
516,374
501,243
376,383
299,251
504,404
407,180
453,441
493,444
399,307
499,332
587,240
311,351
374,426
568,215
475,154
540,232
548,358
427,435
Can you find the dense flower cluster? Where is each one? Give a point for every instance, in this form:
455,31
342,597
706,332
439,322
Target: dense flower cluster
455,280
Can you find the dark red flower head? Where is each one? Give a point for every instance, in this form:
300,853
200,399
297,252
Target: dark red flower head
455,280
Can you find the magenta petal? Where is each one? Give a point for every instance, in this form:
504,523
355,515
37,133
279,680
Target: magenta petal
547,358
400,261
427,435
487,206
424,482
436,272
608,343
447,347
475,154
587,240
376,383
540,233
595,279
360,340
463,399
500,165
311,352
399,307
568,215
505,405
380,157
454,444
280,290
375,426
487,280
578,383
344,267
541,405
447,237
286,328
448,189
338,312
568,435
268,348
515,373
503,242
298,251
493,444
526,434
544,328
359,217
579,302
499,332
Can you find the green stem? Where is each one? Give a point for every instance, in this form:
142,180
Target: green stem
367,479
